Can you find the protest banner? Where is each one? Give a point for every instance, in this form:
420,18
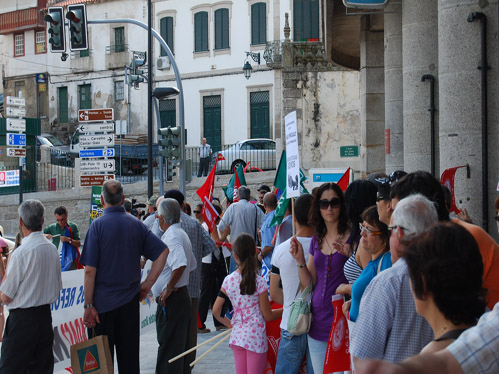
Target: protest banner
292,157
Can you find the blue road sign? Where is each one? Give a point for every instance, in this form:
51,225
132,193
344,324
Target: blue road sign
97,153
16,139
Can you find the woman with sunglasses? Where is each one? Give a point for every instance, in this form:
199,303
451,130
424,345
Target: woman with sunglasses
328,254
376,241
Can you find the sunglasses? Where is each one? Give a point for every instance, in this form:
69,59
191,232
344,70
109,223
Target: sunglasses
380,196
335,202
496,218
196,211
368,231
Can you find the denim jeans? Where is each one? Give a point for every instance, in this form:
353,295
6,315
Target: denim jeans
292,349
317,352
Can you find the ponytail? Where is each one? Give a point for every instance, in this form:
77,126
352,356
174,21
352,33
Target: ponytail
245,248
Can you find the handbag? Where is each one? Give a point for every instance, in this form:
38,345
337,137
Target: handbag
300,315
92,355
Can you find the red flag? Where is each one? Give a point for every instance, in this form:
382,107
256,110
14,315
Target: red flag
237,184
209,213
337,352
208,186
344,180
447,179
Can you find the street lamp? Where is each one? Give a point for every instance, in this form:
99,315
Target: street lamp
247,69
161,93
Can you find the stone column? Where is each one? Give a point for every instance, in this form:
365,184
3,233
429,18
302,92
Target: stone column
393,85
420,57
372,94
460,102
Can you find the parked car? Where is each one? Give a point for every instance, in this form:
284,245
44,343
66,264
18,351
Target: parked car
60,154
259,153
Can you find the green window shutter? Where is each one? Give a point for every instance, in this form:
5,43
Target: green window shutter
305,20
119,39
63,104
201,31
222,29
166,31
258,23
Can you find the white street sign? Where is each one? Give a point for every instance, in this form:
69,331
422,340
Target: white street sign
15,112
96,140
292,156
15,124
97,127
17,101
93,166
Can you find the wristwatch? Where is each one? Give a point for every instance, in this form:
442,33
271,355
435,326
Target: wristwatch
88,306
70,241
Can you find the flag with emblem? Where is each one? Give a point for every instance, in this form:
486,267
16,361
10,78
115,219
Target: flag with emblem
209,213
229,189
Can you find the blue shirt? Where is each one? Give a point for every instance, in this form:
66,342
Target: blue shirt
364,279
267,236
114,243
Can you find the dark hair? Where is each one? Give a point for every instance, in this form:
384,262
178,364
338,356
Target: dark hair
302,206
244,248
359,195
175,194
371,216
187,208
426,184
128,205
496,203
446,262
60,210
315,217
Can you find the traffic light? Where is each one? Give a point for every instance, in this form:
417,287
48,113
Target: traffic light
78,32
55,20
170,142
170,167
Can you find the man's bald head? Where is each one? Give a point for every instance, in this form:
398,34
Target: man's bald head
160,199
112,192
270,200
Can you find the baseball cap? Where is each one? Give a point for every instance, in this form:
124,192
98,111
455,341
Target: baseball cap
175,194
263,187
152,200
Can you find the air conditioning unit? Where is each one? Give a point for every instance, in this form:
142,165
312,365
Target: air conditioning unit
163,63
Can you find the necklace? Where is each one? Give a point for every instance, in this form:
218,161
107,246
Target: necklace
443,329
329,246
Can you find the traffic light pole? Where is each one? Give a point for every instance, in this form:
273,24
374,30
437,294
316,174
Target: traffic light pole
177,79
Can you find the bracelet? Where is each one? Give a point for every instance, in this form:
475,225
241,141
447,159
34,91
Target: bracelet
88,306
301,266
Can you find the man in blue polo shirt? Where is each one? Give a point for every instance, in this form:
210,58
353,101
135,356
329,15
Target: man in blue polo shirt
111,255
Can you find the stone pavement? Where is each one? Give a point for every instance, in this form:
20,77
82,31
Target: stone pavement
219,361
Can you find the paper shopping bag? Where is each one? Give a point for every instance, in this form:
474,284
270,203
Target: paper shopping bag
92,356
337,352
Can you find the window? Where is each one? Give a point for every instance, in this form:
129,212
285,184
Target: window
119,90
201,32
63,104
258,23
305,20
119,39
40,42
19,86
84,96
222,28
84,53
19,45
166,31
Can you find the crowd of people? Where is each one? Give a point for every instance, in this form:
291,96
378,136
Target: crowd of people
421,288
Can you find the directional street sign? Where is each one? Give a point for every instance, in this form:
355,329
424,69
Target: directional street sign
16,152
97,153
95,166
16,101
97,140
94,180
15,124
16,139
15,112
95,115
97,127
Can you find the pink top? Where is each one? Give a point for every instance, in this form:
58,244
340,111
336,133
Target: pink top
248,325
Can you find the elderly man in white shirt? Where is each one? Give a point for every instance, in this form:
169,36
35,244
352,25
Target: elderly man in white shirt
32,283
174,304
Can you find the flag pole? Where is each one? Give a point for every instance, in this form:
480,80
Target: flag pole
293,215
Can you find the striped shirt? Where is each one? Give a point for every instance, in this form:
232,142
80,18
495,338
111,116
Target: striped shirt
204,151
352,269
477,349
34,273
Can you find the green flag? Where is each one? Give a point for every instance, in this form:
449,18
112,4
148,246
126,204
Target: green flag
229,189
282,203
280,176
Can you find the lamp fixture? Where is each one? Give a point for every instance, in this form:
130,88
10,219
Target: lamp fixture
247,69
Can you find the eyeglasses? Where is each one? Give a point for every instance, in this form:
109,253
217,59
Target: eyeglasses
368,232
196,211
335,202
391,228
380,196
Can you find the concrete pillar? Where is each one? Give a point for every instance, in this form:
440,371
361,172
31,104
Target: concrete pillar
394,159
460,102
420,57
372,94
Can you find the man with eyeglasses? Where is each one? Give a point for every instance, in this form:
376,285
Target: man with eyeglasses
383,199
388,326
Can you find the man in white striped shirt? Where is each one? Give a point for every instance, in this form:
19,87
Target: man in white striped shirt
32,283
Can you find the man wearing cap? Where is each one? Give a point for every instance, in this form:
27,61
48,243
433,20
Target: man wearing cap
151,210
262,190
202,245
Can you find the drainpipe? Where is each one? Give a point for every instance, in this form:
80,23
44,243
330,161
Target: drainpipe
431,78
483,68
